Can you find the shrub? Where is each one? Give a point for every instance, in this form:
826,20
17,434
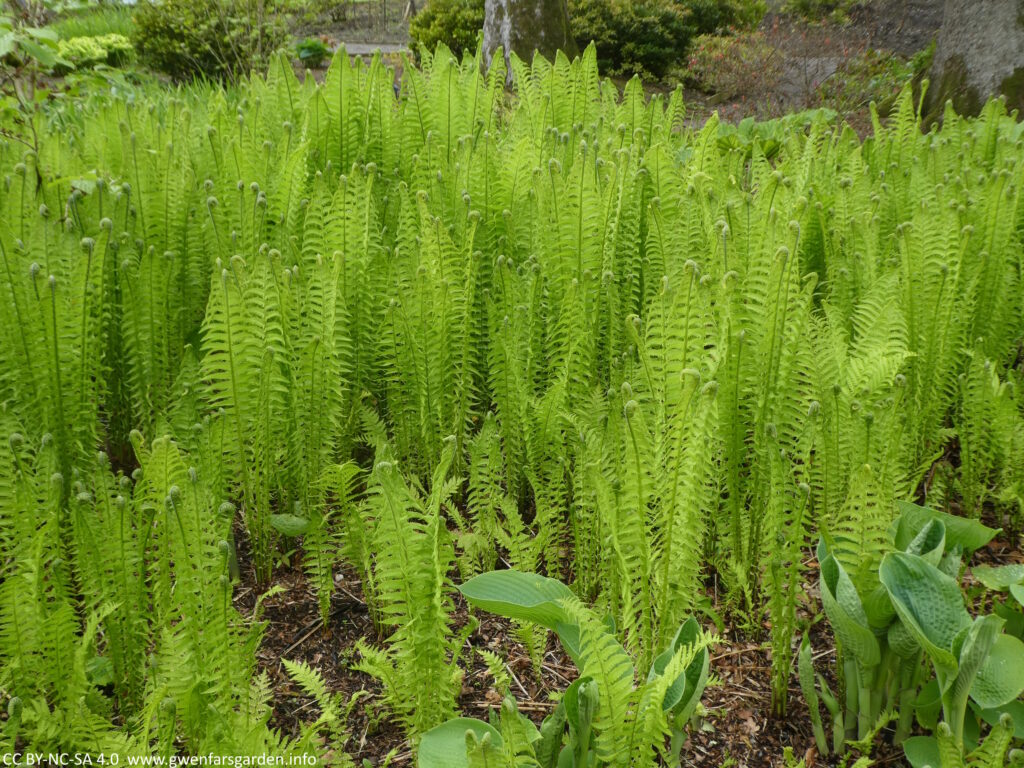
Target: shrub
456,23
83,52
221,39
312,51
645,38
650,37
709,16
735,65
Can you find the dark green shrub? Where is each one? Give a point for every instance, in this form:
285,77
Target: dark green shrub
710,16
456,23
651,37
645,37
222,39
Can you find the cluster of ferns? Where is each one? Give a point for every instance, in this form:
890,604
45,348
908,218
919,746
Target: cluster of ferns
430,327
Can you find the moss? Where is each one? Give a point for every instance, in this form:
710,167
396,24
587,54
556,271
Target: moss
538,30
952,86
1012,87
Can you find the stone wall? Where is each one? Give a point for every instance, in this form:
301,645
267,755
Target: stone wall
979,53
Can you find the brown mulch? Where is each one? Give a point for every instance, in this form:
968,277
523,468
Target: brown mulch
737,728
737,725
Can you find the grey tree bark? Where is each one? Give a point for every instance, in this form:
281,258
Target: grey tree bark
979,53
526,27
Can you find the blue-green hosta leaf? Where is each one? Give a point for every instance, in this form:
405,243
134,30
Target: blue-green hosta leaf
100,671
972,647
929,604
289,525
552,731
1010,612
902,641
845,612
930,542
999,577
922,751
928,705
972,733
1017,590
581,700
525,597
878,608
685,691
969,535
950,564
1001,679
445,746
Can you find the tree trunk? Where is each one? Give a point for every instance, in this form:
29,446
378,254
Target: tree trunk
527,27
979,53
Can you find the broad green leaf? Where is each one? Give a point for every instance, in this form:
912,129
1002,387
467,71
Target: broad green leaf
552,731
685,690
928,705
445,745
42,33
41,53
100,671
970,535
289,525
930,542
999,577
845,612
972,733
929,604
1017,590
902,641
1001,679
971,647
922,751
878,608
582,701
1010,612
525,597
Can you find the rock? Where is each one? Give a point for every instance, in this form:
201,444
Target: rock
979,53
527,27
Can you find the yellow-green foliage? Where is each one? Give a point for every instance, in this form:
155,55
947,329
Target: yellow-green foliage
425,327
82,52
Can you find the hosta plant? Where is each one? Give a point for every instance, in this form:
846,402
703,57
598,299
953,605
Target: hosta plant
972,658
880,655
612,718
1008,580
